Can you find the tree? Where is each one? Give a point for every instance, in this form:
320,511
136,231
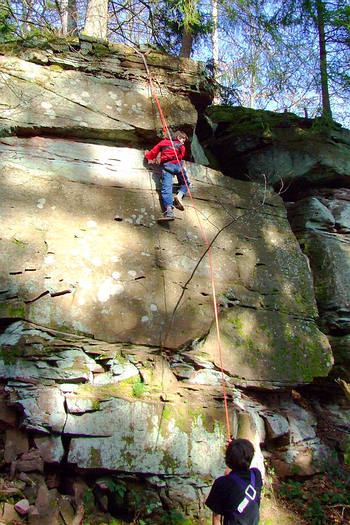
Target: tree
7,26
191,19
180,25
96,19
320,16
69,16
215,46
320,24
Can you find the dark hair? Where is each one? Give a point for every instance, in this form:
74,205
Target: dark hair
239,454
180,135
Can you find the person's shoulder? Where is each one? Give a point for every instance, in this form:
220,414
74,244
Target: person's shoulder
257,474
221,480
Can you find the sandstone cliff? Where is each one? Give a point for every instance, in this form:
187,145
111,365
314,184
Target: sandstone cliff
109,358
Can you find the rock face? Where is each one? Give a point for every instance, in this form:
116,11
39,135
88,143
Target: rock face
93,90
289,150
305,159
321,223
70,266
109,360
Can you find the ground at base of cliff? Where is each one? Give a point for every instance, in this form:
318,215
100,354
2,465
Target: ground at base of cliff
323,499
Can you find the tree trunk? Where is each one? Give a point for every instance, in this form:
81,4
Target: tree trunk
96,19
215,44
27,13
326,106
69,16
186,44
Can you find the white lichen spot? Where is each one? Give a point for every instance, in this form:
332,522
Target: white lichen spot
112,95
91,224
84,124
81,301
49,259
171,425
46,105
96,261
109,107
143,210
40,203
139,219
153,307
53,207
133,216
132,273
85,94
130,221
108,289
144,319
145,254
84,283
116,275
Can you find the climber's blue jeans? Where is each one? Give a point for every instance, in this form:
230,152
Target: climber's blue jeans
169,171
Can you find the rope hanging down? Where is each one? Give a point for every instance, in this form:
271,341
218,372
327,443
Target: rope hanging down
208,245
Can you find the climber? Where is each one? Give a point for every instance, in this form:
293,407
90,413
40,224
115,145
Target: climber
171,166
236,496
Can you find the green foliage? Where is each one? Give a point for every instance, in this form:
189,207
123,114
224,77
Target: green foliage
173,518
323,125
116,487
172,17
138,388
10,354
89,501
7,28
315,500
191,15
347,454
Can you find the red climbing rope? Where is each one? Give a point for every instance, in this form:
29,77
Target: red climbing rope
215,305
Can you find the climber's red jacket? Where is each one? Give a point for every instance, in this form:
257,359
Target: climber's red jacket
166,150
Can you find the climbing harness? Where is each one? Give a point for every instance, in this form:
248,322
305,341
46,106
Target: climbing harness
249,491
208,245
176,145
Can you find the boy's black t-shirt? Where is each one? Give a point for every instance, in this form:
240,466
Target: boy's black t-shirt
225,496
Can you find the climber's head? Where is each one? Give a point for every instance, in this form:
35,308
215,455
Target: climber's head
239,454
181,136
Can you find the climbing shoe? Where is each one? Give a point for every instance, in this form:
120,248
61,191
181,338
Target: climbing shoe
167,216
178,201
